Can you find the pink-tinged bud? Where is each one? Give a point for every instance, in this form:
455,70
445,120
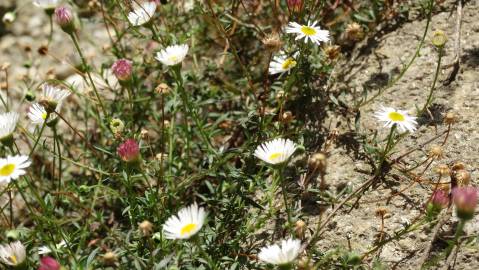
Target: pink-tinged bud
465,200
48,263
122,69
64,18
439,200
295,5
129,151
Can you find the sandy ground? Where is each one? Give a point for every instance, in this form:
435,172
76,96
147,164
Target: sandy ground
385,54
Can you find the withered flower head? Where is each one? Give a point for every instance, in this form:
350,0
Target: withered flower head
272,42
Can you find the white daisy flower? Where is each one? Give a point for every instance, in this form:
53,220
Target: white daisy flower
46,250
8,123
54,94
38,114
276,151
308,32
186,224
402,119
282,254
13,254
142,13
172,55
46,4
281,64
12,167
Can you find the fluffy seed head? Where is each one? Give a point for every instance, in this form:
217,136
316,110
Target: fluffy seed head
436,152
272,42
443,170
318,161
354,32
163,88
463,177
300,229
450,118
145,227
110,258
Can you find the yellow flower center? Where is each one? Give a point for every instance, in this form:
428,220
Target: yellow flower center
309,31
13,259
6,170
274,156
173,58
396,117
188,228
44,115
289,63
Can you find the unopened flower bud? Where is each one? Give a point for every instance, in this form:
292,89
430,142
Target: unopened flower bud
117,126
439,200
439,38
300,229
436,152
110,258
64,18
9,18
280,95
129,151
49,263
146,228
354,32
122,69
465,200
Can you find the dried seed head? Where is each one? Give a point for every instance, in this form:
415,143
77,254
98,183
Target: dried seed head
318,161
5,66
287,117
436,152
458,166
332,51
280,95
144,133
146,228
443,170
161,156
300,229
162,88
272,42
110,258
439,39
354,32
295,5
305,264
446,187
381,212
450,118
463,178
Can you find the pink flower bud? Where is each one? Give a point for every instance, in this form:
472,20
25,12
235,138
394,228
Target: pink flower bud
295,5
440,199
129,151
465,200
64,18
122,69
48,263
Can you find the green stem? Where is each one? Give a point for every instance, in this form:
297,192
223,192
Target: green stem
431,91
285,195
39,135
387,149
87,70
